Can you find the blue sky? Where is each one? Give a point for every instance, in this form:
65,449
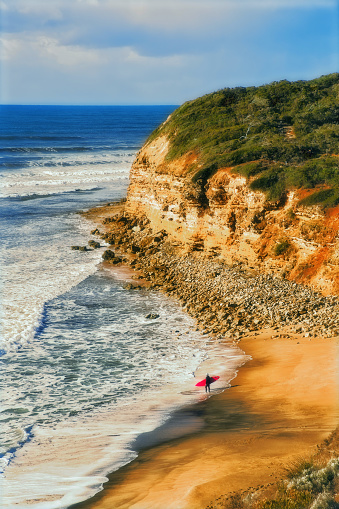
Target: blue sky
159,51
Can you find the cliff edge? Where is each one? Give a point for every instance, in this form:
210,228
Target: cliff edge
250,175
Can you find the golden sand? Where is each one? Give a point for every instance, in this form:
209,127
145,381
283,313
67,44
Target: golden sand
281,405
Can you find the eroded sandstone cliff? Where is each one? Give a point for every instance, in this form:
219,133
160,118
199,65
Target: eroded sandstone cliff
224,218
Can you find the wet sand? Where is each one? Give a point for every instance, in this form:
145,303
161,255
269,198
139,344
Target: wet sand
280,406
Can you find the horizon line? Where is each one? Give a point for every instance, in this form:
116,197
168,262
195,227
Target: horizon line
90,105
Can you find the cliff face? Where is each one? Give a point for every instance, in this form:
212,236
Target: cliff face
224,217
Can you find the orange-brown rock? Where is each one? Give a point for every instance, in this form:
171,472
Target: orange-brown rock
225,217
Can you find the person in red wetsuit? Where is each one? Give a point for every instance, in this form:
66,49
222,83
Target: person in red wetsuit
208,381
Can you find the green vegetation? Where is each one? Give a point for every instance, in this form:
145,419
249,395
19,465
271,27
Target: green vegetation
282,247
326,197
280,136
311,486
308,486
309,483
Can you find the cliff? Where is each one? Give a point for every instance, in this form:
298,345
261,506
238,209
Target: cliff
251,176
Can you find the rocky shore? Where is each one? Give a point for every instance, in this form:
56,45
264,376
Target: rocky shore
227,301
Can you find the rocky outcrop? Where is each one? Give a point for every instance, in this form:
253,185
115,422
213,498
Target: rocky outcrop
223,218
79,248
110,257
227,301
94,244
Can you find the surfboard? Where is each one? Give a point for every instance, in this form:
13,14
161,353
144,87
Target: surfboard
203,382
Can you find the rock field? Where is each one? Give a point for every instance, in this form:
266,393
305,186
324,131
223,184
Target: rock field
227,301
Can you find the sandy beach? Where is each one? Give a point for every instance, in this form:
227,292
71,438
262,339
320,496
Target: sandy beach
283,403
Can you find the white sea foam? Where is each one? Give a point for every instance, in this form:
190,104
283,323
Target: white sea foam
93,390
34,274
67,173
38,264
69,462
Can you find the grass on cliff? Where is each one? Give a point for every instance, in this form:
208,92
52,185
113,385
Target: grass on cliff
309,483
281,136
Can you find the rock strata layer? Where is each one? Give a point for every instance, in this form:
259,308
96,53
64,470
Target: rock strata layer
224,216
227,301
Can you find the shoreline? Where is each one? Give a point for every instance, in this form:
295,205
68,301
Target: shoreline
226,301
229,418
247,436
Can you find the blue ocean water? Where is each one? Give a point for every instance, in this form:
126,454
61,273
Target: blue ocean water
54,161
83,371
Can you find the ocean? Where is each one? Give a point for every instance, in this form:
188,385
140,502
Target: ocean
84,372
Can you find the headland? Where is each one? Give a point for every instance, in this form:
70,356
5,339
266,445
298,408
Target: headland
233,209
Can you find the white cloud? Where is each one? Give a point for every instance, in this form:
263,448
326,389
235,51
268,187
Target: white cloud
202,3
4,6
131,56
178,5
170,15
121,51
44,10
9,48
65,55
46,50
190,15
49,51
89,2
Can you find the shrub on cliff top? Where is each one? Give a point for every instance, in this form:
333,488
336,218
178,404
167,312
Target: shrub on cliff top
283,135
325,197
282,247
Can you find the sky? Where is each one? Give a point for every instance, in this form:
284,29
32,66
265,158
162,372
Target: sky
123,52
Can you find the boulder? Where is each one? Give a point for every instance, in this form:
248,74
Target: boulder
131,286
108,255
108,220
79,248
152,316
94,244
115,260
109,237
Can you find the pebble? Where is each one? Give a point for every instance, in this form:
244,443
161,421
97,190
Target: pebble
226,301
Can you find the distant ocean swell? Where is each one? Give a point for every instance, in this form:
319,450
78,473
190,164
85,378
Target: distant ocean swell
47,149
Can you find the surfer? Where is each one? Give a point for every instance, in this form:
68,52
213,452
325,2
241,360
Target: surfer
208,381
